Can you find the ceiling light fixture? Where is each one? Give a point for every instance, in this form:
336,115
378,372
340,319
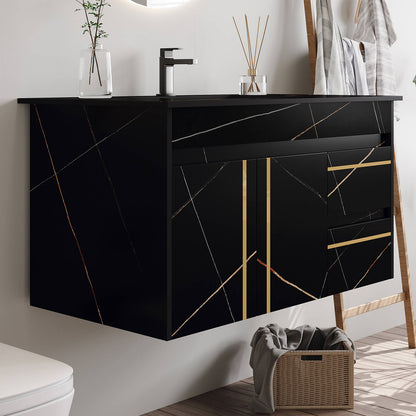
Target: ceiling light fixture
160,3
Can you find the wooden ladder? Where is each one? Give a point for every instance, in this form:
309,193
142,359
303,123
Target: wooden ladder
341,314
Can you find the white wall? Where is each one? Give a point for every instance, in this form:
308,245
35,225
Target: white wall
116,372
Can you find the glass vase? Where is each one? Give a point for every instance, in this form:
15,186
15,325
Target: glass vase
95,73
253,85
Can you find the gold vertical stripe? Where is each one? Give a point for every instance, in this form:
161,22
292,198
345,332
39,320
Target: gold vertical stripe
244,239
268,235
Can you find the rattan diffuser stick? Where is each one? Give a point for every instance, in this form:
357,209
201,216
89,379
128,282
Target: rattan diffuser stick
252,57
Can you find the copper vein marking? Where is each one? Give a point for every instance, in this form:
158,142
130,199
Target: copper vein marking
212,295
308,187
381,117
372,265
199,191
339,257
336,184
362,161
287,282
375,114
313,121
339,261
89,150
319,122
113,191
207,243
67,215
233,122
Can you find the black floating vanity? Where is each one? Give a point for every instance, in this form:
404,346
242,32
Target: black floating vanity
170,217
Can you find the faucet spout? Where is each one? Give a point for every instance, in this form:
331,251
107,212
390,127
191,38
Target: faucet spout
166,73
171,61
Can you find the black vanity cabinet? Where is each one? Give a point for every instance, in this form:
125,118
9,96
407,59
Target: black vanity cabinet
170,217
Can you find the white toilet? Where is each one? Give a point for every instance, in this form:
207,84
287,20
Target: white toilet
33,385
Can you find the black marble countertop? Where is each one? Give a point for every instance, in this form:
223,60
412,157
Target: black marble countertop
210,100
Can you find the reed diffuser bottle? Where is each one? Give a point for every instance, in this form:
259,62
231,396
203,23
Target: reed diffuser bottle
252,83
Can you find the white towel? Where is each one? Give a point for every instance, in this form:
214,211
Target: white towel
355,71
330,64
375,30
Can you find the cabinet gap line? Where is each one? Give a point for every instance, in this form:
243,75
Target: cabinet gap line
373,264
114,193
59,171
207,244
234,122
336,184
339,257
376,116
212,295
308,187
244,225
287,281
200,190
268,235
313,121
68,216
319,122
362,161
339,261
367,216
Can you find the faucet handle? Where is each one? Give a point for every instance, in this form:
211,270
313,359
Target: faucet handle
168,52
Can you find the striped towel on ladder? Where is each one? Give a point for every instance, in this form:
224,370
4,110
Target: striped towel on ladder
375,30
330,64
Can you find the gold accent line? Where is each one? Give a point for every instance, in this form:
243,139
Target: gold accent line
360,165
58,183
213,294
319,122
359,240
244,239
287,281
374,262
268,235
362,161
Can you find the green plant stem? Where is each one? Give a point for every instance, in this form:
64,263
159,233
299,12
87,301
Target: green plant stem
93,44
96,33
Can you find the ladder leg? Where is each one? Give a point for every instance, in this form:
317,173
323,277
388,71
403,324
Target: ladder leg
404,263
339,311
311,34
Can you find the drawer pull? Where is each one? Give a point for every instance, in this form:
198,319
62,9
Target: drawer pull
359,165
359,240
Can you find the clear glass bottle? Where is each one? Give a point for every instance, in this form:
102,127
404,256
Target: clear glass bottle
253,84
95,79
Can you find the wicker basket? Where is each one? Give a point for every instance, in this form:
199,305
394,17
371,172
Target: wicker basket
315,380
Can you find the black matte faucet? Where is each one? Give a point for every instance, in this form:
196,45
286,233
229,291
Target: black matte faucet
166,63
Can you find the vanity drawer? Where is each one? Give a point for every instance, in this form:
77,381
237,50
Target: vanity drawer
359,181
358,255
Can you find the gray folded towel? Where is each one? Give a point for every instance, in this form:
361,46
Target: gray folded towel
271,342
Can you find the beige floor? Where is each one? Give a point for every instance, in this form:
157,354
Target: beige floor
385,385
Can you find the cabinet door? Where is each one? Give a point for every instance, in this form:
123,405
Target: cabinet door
292,237
359,255
359,218
210,240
